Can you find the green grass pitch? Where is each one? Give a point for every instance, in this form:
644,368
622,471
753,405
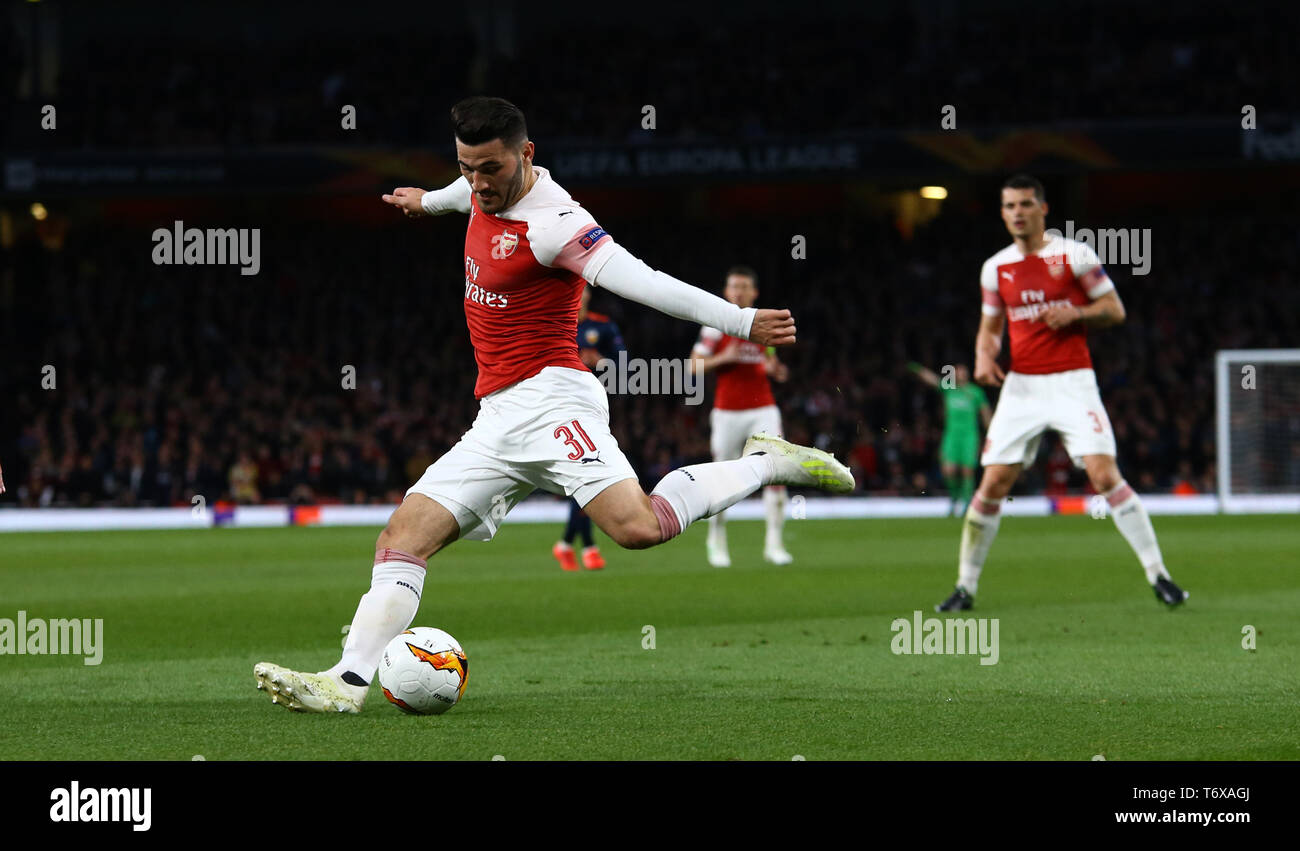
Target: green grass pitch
754,662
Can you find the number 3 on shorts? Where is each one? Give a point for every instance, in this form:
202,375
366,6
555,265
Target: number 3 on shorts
569,440
1095,420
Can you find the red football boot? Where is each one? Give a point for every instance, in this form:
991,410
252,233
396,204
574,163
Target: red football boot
564,555
591,558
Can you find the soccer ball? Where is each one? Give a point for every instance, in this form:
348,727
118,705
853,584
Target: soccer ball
423,671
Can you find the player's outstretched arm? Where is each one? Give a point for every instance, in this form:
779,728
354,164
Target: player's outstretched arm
927,375
416,202
626,276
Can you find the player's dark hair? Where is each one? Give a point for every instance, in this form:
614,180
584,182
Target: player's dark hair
1026,181
480,119
742,269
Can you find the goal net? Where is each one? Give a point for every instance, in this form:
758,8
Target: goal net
1257,403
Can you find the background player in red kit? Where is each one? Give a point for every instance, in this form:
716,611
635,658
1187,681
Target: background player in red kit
742,405
1049,291
543,419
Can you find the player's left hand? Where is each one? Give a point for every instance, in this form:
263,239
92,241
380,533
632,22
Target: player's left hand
777,370
1059,316
772,328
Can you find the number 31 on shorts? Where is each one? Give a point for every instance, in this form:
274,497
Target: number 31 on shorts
566,434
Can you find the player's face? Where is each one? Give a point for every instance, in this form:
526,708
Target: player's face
963,374
495,172
740,290
1022,212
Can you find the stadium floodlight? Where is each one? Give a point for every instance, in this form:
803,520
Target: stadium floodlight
1257,411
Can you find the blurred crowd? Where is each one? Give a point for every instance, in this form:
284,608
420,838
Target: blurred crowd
169,382
763,74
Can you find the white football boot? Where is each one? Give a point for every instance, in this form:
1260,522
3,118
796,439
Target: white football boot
801,466
718,555
776,554
309,692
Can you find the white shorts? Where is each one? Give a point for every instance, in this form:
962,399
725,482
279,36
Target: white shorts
730,429
1068,403
548,432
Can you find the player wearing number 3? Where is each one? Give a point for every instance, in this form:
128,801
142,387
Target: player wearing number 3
543,420
1048,291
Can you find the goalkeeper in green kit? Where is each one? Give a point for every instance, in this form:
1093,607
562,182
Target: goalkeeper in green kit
965,407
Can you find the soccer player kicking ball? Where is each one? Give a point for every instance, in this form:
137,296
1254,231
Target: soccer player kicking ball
598,338
1051,291
543,418
742,405
964,407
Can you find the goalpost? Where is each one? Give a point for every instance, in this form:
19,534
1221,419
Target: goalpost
1257,411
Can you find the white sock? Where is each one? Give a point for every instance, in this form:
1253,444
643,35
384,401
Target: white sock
384,611
1135,525
774,507
701,490
977,533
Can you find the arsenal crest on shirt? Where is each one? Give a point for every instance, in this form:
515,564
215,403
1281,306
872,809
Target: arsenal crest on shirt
504,244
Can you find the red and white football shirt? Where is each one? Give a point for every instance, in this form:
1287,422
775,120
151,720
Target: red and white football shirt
1062,272
524,274
741,385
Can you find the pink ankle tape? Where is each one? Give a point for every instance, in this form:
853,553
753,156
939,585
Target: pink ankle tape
669,525
1119,494
387,554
